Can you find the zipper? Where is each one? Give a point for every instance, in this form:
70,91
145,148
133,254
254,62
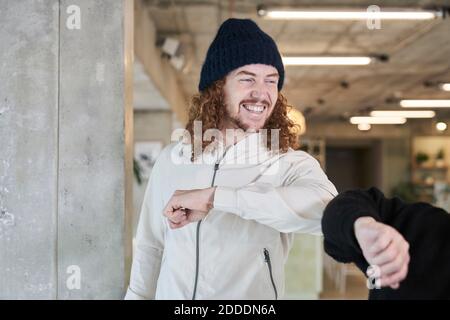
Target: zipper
197,250
269,265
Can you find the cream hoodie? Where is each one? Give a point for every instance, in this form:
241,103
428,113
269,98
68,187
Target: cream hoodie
239,250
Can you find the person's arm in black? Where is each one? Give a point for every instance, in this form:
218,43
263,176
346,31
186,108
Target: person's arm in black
423,227
341,214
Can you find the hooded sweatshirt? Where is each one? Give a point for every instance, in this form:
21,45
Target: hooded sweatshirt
239,250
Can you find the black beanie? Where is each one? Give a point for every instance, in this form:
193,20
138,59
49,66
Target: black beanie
237,43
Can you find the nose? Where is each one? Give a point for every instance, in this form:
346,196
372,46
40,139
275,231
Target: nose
259,92
255,94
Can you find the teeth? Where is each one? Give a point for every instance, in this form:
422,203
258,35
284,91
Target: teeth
254,108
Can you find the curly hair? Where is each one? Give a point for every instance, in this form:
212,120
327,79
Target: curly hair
208,107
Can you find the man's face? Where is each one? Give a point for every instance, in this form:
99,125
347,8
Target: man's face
250,92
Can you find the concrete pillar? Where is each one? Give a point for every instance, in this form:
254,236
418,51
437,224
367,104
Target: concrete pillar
28,144
66,148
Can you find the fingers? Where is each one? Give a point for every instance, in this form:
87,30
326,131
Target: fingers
394,280
385,248
179,225
386,256
393,260
181,217
395,286
176,218
400,251
393,266
382,241
397,249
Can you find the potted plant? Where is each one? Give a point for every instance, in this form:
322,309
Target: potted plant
421,158
440,161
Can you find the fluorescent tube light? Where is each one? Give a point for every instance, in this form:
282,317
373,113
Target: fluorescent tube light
364,126
403,113
349,14
303,61
378,120
445,86
425,103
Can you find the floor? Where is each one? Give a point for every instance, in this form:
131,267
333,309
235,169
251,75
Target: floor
356,288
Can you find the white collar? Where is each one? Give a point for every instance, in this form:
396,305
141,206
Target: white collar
250,149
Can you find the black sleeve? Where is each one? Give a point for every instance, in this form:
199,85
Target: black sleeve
424,226
342,212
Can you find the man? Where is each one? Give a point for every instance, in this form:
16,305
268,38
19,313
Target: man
219,223
407,245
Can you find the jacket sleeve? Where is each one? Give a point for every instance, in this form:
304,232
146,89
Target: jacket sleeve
149,242
341,213
294,206
339,218
412,220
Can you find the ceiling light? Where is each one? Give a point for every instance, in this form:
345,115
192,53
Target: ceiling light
425,103
177,61
441,126
297,117
170,46
348,14
445,86
403,113
378,120
364,126
299,61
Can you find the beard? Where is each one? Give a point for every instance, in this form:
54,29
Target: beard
235,122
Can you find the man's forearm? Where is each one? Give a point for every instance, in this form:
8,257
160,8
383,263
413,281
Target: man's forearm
287,209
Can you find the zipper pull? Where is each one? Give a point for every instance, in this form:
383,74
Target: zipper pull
266,255
216,166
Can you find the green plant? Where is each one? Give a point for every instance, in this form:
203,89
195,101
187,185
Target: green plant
440,155
421,157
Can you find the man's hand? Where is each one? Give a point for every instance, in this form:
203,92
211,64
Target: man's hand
186,206
385,247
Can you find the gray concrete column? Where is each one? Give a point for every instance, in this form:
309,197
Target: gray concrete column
66,148
29,35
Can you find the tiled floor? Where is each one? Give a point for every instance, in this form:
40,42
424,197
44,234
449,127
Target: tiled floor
356,288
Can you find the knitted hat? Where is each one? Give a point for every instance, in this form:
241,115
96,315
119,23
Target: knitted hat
237,43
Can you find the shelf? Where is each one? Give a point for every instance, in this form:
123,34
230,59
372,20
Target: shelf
424,185
430,168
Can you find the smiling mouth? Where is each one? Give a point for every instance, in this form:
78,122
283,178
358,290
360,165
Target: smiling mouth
254,108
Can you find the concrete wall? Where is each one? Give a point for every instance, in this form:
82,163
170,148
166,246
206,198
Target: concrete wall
66,137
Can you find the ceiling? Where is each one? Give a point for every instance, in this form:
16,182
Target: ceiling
418,51
145,91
